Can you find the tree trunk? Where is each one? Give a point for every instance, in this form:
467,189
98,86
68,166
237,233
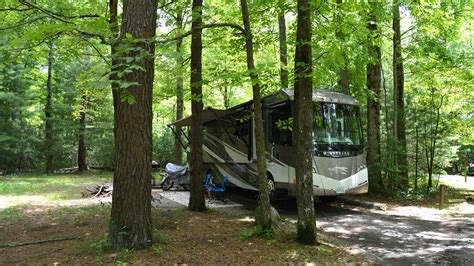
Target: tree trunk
373,103
196,200
49,112
433,138
303,134
130,222
178,149
263,210
16,110
81,145
343,71
416,148
283,48
399,106
114,29
388,161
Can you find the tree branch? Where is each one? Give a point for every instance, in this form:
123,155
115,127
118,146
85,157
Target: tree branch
22,23
208,26
15,9
91,34
56,15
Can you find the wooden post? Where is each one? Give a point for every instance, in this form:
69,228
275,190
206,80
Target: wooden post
441,196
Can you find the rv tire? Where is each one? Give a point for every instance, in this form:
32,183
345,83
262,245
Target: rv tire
271,186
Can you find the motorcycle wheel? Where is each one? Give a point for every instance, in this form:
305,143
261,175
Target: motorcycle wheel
167,184
185,187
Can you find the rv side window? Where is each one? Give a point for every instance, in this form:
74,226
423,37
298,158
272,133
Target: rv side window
281,124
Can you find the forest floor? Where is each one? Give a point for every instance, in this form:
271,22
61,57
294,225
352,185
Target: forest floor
38,207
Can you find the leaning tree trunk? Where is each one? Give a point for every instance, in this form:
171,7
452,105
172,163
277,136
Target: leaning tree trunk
399,105
196,200
283,48
303,134
49,112
263,212
373,103
130,222
178,149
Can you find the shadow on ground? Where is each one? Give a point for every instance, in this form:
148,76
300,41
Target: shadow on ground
385,237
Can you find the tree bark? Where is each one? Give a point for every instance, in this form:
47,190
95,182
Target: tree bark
49,112
81,144
114,29
283,48
130,222
263,210
226,97
178,149
303,134
196,200
398,94
343,71
373,103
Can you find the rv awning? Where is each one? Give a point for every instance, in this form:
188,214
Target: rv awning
208,114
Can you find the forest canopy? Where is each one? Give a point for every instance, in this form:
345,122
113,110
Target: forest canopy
56,97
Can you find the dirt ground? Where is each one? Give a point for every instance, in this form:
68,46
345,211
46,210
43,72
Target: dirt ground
43,208
181,237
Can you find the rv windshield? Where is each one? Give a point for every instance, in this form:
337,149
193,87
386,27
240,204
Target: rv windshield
337,130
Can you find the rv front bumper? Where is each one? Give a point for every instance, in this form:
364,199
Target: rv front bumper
359,190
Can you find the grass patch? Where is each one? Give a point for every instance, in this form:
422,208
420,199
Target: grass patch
257,231
51,186
11,214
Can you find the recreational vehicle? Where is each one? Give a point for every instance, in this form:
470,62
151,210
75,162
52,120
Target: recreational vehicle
339,165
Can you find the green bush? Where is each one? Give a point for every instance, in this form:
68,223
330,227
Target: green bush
163,147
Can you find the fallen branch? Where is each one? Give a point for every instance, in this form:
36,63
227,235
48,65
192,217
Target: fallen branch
37,242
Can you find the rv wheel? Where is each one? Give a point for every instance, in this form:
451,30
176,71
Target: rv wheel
270,186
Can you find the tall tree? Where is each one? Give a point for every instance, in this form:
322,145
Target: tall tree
196,200
398,99
263,215
49,111
303,134
373,99
178,150
81,144
343,71
283,46
130,222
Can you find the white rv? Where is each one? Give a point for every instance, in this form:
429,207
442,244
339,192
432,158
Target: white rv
339,163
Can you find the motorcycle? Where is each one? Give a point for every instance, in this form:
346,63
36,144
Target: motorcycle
175,175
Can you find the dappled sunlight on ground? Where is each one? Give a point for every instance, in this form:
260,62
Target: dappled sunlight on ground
43,202
461,209
407,234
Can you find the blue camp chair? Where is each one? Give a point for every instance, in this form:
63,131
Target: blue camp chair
215,191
